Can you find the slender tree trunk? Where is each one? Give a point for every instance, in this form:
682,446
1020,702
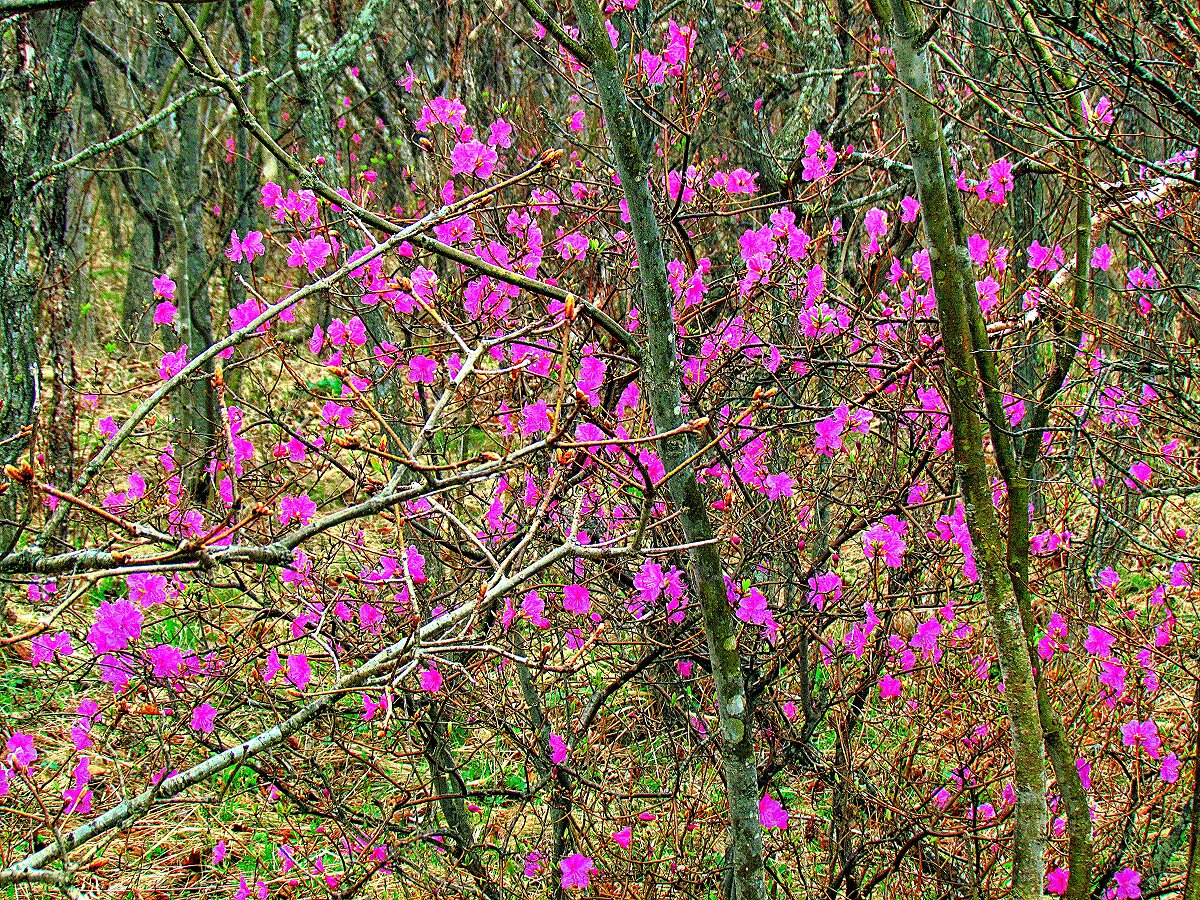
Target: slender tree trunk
948,255
65,261
199,416
662,379
1191,888
560,791
450,787
1021,464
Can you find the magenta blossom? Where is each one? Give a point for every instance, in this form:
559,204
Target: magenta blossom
246,248
117,624
771,813
577,599
203,718
1142,734
886,540
164,287
576,871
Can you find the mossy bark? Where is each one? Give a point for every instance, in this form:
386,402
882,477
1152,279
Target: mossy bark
949,260
28,136
661,377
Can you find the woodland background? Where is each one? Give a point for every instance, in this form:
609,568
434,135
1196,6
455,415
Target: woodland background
655,449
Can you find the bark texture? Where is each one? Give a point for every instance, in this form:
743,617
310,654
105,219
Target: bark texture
949,260
662,377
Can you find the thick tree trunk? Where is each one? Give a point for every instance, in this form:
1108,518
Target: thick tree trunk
43,77
18,366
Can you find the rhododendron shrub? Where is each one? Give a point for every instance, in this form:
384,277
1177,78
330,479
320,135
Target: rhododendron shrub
435,618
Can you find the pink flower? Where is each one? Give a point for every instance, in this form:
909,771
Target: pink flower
624,836
164,313
534,607
650,581
890,687
886,539
246,248
1129,884
165,660
752,608
654,67
431,680
1102,112
591,375
336,415
441,111
533,864
988,291
299,672
1140,472
245,313
172,363
741,181
1045,259
910,208
460,229
875,223
573,246
20,750
117,624
370,707
1102,257
422,370
535,419
273,667
926,637
271,194
312,253
473,158
576,870
978,247
558,750
1170,769
44,646
680,41
829,431
164,287
79,798
1056,880
1084,768
300,508
819,159
1000,180
771,813
1099,642
500,134
824,588
779,485
577,599
146,589
203,718
1142,734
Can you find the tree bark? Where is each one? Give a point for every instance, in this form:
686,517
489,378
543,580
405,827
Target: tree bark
662,379
38,110
948,256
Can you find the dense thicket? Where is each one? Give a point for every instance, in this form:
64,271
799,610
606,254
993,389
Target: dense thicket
644,449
